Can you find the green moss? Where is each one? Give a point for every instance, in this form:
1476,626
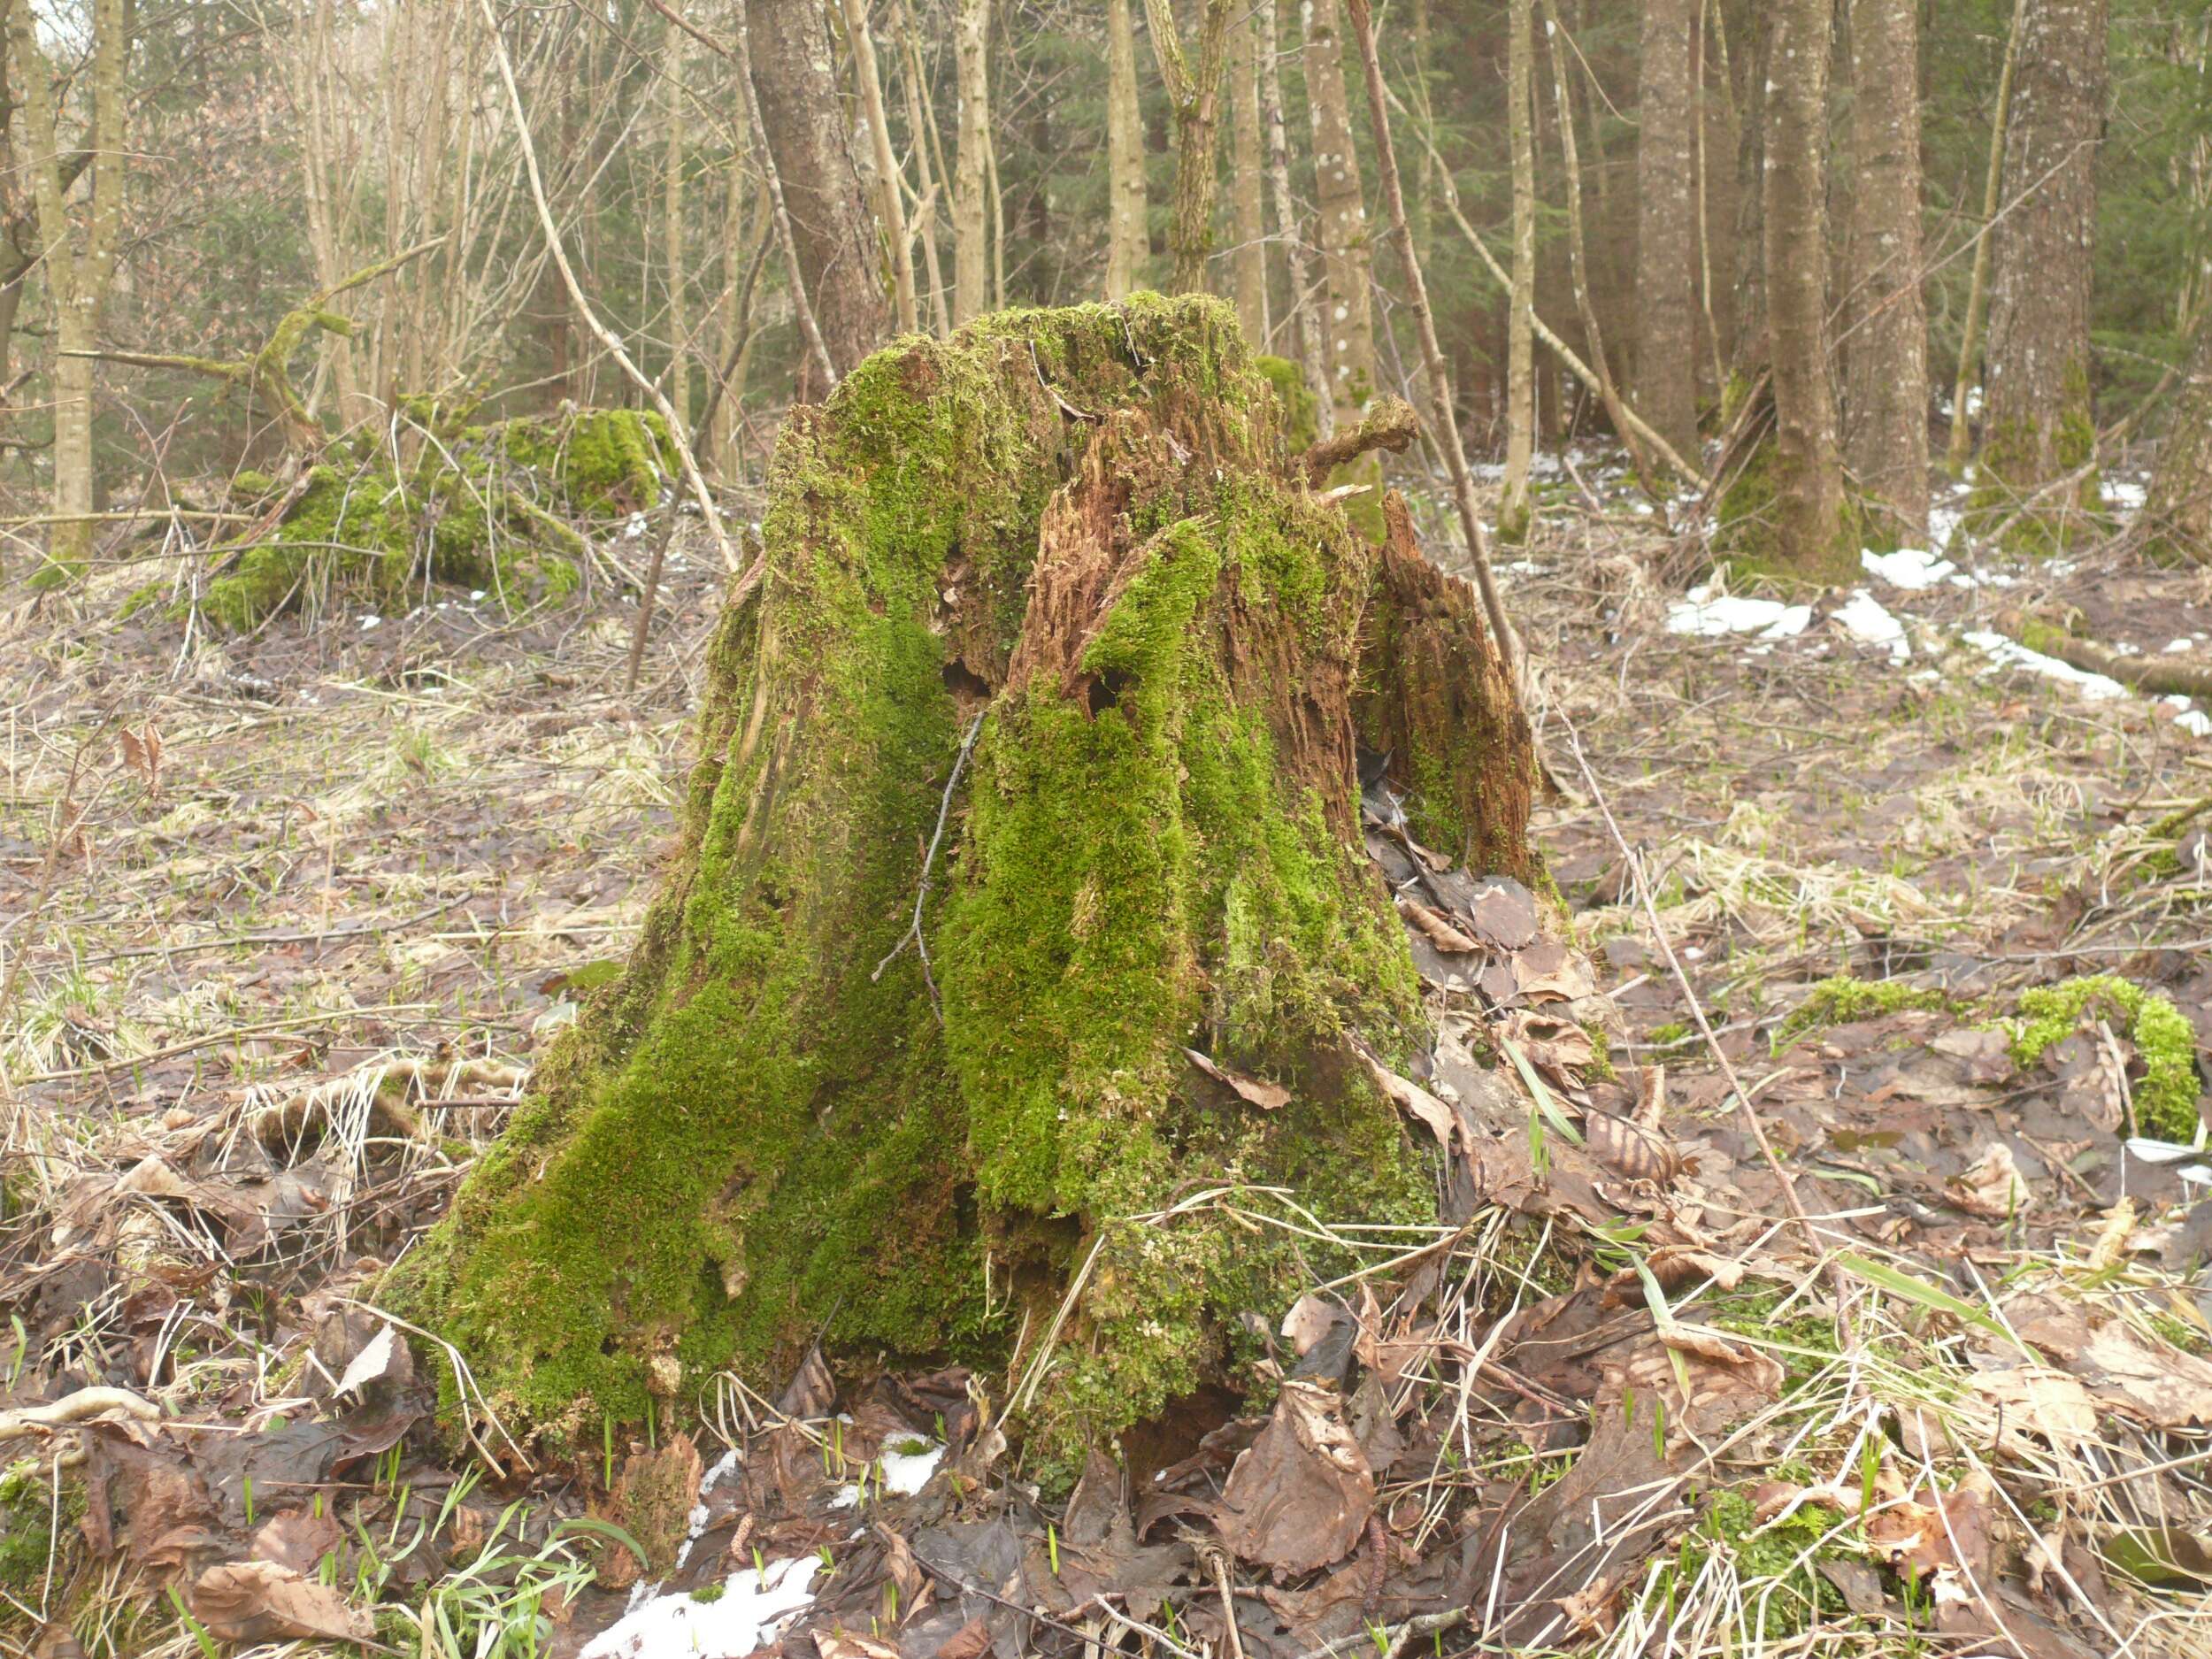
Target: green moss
496,511
1842,1000
1745,544
2166,1099
2020,456
1301,410
27,1537
759,1134
1784,1593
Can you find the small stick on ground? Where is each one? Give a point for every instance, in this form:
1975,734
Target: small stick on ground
1697,1012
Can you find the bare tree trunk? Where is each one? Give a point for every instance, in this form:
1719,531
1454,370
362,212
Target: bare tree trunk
673,232
1514,512
1666,222
1808,471
2040,425
1347,266
971,33
1962,436
78,272
1308,327
890,208
1755,45
921,123
1248,194
1127,239
803,126
1886,403
1193,92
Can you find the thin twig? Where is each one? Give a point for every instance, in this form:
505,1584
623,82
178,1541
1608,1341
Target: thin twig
913,933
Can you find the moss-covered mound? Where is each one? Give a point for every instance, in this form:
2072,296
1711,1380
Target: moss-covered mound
2166,1099
1056,589
501,508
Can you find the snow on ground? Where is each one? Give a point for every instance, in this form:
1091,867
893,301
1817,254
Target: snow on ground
897,1473
1711,616
1862,618
2008,653
1912,569
754,1605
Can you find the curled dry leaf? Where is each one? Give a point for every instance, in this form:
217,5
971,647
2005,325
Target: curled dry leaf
1299,1496
1992,1187
1435,926
1267,1096
1411,1096
2036,1400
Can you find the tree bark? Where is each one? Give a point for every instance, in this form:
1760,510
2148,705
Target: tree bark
972,34
1961,446
1193,92
1514,511
1248,191
1128,239
1666,227
1346,262
890,209
921,125
1309,329
1754,43
1807,476
1885,402
78,272
1018,786
2040,425
673,234
833,229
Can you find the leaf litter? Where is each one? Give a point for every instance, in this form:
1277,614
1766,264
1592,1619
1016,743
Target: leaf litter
1607,1406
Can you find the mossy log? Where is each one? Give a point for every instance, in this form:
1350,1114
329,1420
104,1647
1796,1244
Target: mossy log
494,507
1057,668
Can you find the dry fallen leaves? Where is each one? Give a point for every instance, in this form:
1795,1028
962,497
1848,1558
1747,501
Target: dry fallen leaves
1265,1095
264,1601
1299,1496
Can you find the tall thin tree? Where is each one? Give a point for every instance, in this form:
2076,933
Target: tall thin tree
1666,223
1127,239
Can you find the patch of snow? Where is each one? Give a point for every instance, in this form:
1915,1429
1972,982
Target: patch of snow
370,622
1943,524
2190,718
2174,646
2007,653
1711,617
903,1474
1864,619
754,1606
634,528
1910,568
1525,567
2126,496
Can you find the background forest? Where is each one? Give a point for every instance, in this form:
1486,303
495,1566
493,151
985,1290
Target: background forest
1201,829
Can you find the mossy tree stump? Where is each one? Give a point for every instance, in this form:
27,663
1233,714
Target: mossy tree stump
1071,551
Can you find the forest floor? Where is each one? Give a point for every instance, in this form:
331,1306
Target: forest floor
288,918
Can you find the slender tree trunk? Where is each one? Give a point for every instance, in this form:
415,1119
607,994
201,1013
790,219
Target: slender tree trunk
1666,225
1308,328
1962,436
1514,511
1886,403
672,231
970,256
2041,425
78,272
890,208
802,125
1346,265
1808,500
1128,242
921,123
1193,92
1755,43
1248,188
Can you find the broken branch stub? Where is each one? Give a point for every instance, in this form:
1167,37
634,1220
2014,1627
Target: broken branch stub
763,1133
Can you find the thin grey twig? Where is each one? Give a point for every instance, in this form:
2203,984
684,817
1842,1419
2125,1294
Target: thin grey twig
913,933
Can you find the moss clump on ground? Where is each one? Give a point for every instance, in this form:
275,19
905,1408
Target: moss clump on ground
493,508
1843,998
2166,1099
1778,1564
28,1537
774,1127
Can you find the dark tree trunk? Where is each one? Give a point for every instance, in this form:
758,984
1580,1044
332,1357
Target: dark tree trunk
2179,510
1886,403
840,252
1108,668
2039,426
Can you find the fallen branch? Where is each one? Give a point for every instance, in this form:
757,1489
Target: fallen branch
2160,676
86,1402
1389,424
